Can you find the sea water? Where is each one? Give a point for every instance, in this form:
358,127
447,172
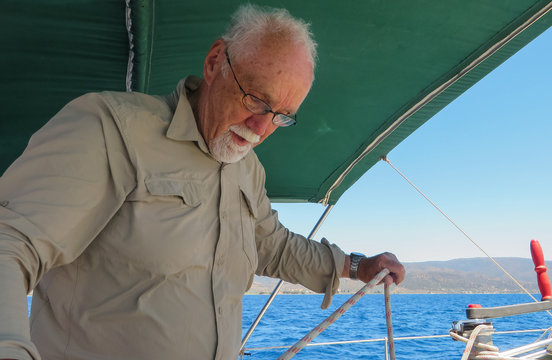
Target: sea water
290,317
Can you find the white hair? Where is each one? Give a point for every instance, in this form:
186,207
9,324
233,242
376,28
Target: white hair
224,149
251,23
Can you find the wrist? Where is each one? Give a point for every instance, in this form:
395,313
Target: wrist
346,266
354,263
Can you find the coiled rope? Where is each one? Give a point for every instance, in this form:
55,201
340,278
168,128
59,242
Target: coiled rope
333,317
490,352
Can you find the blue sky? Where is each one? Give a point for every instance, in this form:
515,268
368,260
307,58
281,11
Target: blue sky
485,160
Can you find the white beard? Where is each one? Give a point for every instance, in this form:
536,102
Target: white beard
224,149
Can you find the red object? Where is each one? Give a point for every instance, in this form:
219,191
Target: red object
472,306
540,269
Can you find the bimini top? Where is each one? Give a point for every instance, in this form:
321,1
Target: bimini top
385,67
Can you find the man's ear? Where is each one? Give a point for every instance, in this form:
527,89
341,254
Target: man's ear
213,60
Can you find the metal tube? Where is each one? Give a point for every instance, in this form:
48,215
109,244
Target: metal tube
281,282
526,348
542,354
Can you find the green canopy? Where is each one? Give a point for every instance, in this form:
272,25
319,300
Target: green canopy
385,67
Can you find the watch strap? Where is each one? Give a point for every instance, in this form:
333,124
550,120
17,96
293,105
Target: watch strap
354,262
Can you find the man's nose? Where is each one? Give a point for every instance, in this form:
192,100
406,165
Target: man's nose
259,123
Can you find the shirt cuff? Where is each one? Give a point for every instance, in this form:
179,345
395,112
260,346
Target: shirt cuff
338,257
10,350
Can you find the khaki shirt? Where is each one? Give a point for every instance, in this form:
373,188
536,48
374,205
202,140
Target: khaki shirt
137,243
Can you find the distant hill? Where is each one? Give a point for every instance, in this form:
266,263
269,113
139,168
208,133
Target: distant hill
473,275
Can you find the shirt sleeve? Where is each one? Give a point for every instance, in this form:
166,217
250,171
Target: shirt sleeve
292,257
55,198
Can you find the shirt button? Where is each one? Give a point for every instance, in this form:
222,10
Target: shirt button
220,310
4,203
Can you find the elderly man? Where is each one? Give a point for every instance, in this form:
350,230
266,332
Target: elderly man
139,221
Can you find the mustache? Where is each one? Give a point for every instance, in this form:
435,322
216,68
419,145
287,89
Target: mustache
246,133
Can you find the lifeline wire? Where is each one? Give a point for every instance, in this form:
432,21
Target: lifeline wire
407,338
384,158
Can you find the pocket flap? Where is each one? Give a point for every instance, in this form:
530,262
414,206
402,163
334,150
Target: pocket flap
190,192
250,200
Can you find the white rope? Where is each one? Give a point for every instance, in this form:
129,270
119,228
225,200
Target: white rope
333,317
471,340
130,63
384,158
463,339
491,352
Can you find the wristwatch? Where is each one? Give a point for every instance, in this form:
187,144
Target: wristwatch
355,260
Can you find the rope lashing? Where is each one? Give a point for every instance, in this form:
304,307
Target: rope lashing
333,317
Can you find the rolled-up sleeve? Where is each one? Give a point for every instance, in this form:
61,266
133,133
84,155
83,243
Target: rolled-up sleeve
292,257
70,180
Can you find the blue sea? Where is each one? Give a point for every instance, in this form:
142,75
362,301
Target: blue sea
290,317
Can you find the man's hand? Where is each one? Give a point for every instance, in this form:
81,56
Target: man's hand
371,266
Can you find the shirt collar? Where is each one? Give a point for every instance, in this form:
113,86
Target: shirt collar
183,126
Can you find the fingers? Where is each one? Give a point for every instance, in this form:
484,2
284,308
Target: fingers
369,267
396,269
388,280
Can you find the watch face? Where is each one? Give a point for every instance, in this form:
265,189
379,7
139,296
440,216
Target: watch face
357,254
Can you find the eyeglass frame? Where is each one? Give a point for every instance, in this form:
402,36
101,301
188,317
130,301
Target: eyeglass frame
268,108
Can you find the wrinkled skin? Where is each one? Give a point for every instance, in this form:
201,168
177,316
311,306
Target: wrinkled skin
280,74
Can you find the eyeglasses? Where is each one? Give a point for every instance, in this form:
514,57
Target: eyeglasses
259,107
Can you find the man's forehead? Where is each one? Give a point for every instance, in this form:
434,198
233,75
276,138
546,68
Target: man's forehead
274,80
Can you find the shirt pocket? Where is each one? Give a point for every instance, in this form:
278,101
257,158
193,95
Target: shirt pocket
160,228
189,192
249,215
